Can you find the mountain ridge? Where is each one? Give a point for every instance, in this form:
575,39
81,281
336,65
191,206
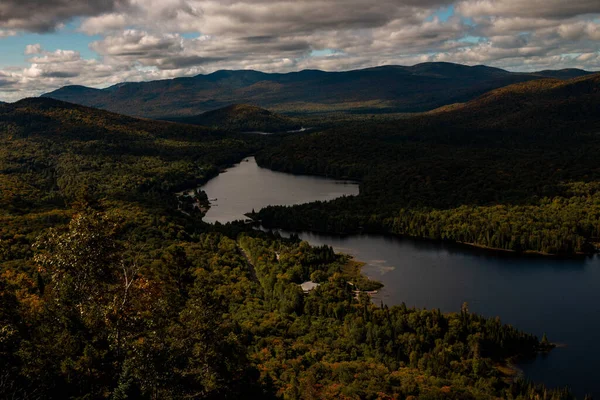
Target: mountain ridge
383,89
575,101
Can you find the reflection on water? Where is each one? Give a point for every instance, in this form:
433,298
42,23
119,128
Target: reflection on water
246,187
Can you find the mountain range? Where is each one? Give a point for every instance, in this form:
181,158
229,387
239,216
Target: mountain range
386,89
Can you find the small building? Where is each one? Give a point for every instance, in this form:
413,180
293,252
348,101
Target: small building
308,286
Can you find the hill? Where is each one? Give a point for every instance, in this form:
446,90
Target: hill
568,73
243,118
72,150
383,89
547,106
514,169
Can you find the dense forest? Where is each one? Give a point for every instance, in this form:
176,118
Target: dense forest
243,118
514,169
109,291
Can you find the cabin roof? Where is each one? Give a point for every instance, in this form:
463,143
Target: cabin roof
308,286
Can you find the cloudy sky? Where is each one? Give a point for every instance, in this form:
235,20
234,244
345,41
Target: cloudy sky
46,44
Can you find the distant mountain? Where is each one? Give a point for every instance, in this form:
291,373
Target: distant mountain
569,73
75,94
382,89
243,118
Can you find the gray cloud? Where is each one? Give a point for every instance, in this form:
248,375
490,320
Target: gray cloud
46,15
60,74
529,8
259,17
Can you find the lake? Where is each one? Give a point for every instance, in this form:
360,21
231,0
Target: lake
246,186
537,295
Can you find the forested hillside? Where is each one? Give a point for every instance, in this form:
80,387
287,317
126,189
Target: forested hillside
109,291
375,90
514,169
243,118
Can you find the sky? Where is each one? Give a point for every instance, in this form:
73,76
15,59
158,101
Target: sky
47,44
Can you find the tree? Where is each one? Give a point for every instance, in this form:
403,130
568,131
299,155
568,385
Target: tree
83,262
210,358
89,292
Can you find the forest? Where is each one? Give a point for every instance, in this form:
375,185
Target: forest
514,170
109,291
243,118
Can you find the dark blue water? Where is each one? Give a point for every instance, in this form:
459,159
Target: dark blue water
539,295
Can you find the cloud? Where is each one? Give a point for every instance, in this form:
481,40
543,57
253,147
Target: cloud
104,23
580,30
528,8
33,49
260,17
156,39
47,15
172,51
55,57
4,33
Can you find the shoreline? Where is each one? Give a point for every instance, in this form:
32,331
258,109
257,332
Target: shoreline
383,232
474,247
526,253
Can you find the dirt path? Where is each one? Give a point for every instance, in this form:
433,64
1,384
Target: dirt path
251,268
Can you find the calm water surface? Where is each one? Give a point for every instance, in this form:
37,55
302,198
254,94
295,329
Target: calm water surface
559,297
246,186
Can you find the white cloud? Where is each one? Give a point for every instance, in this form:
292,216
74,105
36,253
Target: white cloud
7,33
33,49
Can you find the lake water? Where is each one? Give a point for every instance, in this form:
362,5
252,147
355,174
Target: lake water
537,295
246,186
